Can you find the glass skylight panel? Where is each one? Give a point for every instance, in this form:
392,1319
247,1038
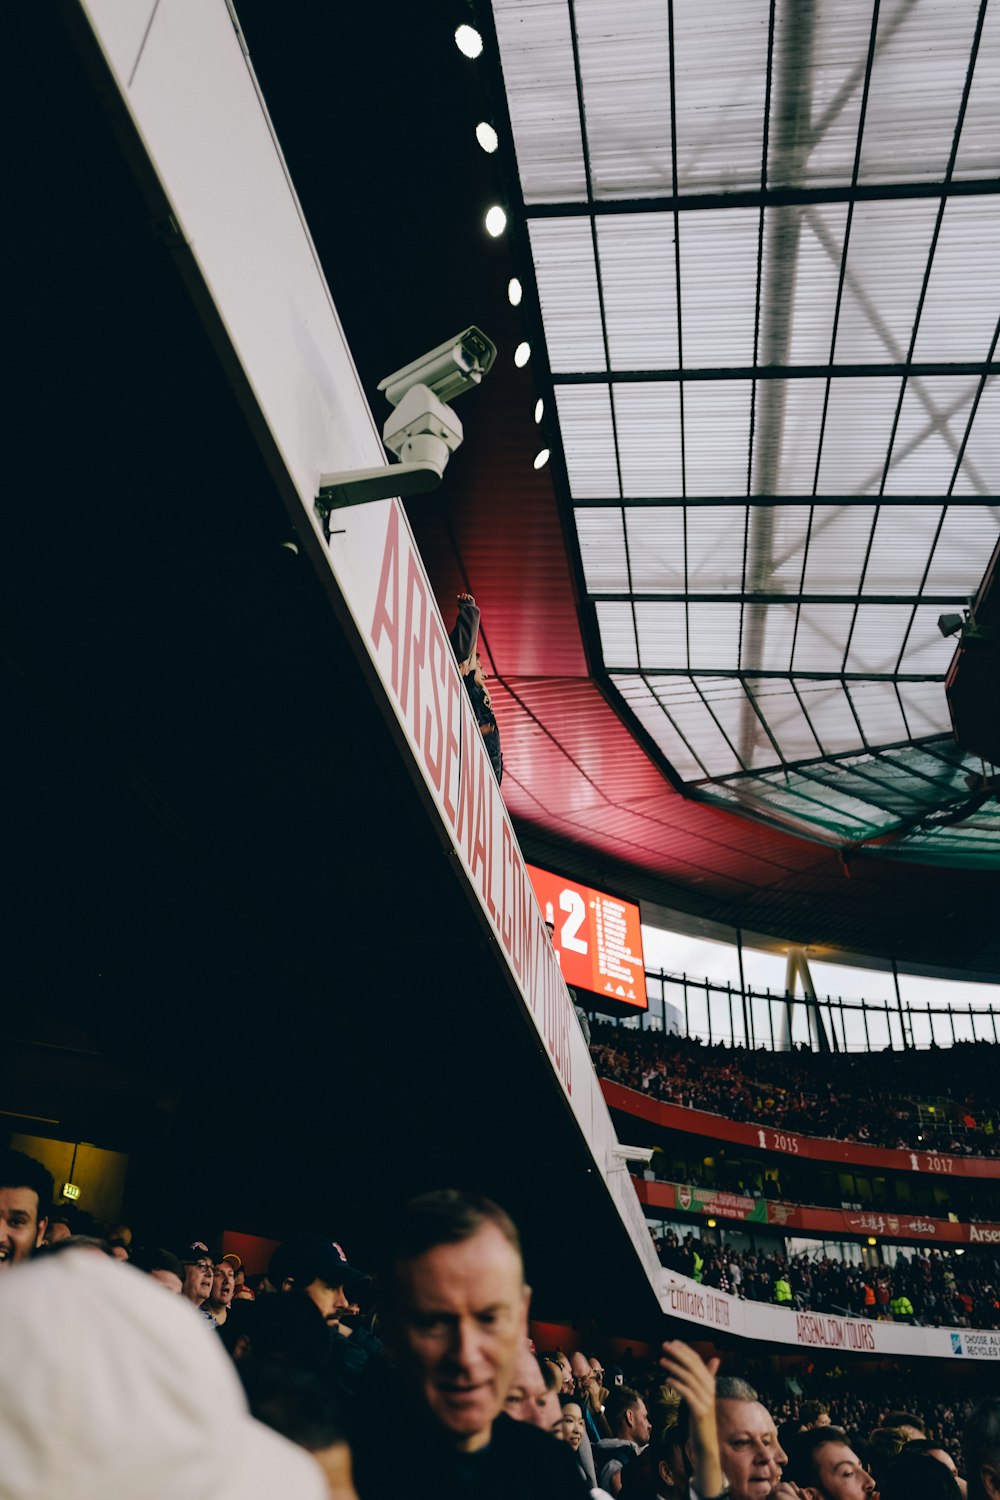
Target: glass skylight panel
617,634
720,79
536,53
831,83
932,423
921,61
714,631
563,253
886,260
830,715
693,719
837,544
640,292
968,536
772,650
796,433
602,550
901,548
588,441
662,631
877,637
788,528
717,436
926,708
979,473
821,636
718,286
650,714
656,548
962,304
741,725
877,706
802,250
785,719
803,798
715,544
977,148
649,439
625,70
856,439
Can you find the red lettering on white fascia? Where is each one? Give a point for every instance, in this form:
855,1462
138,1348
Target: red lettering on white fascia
385,620
455,694
438,669
414,645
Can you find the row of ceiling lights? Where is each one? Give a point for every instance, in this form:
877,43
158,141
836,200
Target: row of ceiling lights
470,44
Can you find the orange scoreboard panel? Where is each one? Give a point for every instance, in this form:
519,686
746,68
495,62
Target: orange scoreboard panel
596,937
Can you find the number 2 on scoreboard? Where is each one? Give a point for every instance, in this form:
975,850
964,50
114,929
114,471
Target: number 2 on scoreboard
571,902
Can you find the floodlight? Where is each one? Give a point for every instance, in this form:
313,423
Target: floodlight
487,137
950,624
496,221
468,41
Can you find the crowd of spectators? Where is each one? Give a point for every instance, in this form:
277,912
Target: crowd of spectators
840,1096
930,1290
135,1369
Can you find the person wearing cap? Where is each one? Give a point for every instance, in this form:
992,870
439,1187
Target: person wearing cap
199,1269
318,1267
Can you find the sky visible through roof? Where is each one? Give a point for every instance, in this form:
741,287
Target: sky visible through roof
763,239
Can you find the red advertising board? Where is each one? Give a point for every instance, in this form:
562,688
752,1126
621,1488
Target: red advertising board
596,937
838,1223
789,1142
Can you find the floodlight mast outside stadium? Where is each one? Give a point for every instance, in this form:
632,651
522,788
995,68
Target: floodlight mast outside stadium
422,431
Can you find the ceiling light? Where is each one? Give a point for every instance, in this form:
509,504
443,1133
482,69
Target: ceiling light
522,354
514,292
487,137
541,459
539,408
710,1223
872,1240
496,221
468,41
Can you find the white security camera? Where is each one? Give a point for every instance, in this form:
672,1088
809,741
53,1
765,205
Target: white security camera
448,370
422,431
622,1155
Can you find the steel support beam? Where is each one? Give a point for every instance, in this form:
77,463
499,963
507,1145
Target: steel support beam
769,675
734,596
777,371
780,197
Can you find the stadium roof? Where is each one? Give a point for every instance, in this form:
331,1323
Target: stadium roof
764,245
647,745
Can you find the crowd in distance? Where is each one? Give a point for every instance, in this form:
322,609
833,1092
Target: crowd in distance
178,1374
928,1290
838,1095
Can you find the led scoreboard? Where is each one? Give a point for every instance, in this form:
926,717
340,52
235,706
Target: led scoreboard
596,937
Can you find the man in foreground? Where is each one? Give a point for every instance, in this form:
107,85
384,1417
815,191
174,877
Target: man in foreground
456,1321
751,1456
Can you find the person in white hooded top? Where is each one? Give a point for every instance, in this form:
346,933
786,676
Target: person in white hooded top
111,1387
